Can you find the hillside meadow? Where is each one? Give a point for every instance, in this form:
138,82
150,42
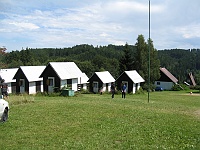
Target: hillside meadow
171,120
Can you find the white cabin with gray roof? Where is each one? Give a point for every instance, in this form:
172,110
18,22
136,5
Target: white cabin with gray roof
101,81
131,79
56,75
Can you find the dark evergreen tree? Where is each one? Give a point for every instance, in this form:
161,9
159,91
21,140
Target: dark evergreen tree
154,63
126,62
142,60
141,57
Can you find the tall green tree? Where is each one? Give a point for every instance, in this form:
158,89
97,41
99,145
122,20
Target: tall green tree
126,62
154,63
142,61
141,57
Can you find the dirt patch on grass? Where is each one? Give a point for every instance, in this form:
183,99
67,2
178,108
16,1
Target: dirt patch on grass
197,113
192,94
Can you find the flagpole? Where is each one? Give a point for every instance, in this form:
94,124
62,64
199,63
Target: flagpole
149,57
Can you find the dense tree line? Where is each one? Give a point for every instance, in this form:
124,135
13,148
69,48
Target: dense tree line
114,59
180,62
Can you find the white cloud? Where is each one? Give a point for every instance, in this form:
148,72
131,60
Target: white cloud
190,31
100,22
24,25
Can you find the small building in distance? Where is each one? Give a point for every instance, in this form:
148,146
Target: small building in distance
131,79
100,81
28,80
166,80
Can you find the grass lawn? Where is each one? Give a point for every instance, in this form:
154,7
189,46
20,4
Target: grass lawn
171,120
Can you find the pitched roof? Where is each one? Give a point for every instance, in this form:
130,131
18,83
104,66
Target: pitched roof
169,75
105,76
8,74
192,79
66,70
134,76
32,73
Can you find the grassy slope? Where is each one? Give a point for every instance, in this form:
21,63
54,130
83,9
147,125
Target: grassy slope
170,121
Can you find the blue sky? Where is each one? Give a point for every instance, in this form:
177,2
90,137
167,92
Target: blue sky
65,23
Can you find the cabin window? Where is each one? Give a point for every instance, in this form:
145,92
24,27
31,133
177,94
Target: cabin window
158,83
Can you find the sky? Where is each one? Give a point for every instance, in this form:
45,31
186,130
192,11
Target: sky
66,23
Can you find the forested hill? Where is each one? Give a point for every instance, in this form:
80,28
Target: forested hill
90,59
180,62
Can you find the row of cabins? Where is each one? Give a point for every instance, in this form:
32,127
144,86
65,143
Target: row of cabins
56,75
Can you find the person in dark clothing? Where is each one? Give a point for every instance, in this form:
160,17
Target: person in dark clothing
113,90
124,91
4,88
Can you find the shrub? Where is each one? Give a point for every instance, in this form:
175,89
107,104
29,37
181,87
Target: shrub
146,87
140,91
180,87
83,91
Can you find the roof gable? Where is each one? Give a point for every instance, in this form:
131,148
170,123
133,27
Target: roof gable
134,76
105,76
8,74
168,74
32,73
66,70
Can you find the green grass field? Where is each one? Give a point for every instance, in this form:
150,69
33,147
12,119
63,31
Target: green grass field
171,120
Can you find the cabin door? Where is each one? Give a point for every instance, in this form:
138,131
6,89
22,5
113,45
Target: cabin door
22,85
95,87
51,84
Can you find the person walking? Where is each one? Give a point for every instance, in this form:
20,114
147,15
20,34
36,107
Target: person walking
124,91
113,89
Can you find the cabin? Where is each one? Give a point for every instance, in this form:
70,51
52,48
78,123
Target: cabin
57,75
131,79
7,75
100,81
28,80
166,80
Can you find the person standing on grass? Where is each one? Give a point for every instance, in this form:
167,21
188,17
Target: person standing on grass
113,89
124,91
4,88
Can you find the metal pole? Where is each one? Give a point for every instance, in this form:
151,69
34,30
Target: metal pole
149,56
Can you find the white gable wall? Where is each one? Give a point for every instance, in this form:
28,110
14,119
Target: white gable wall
32,87
9,88
42,89
109,87
104,87
85,86
75,84
136,87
